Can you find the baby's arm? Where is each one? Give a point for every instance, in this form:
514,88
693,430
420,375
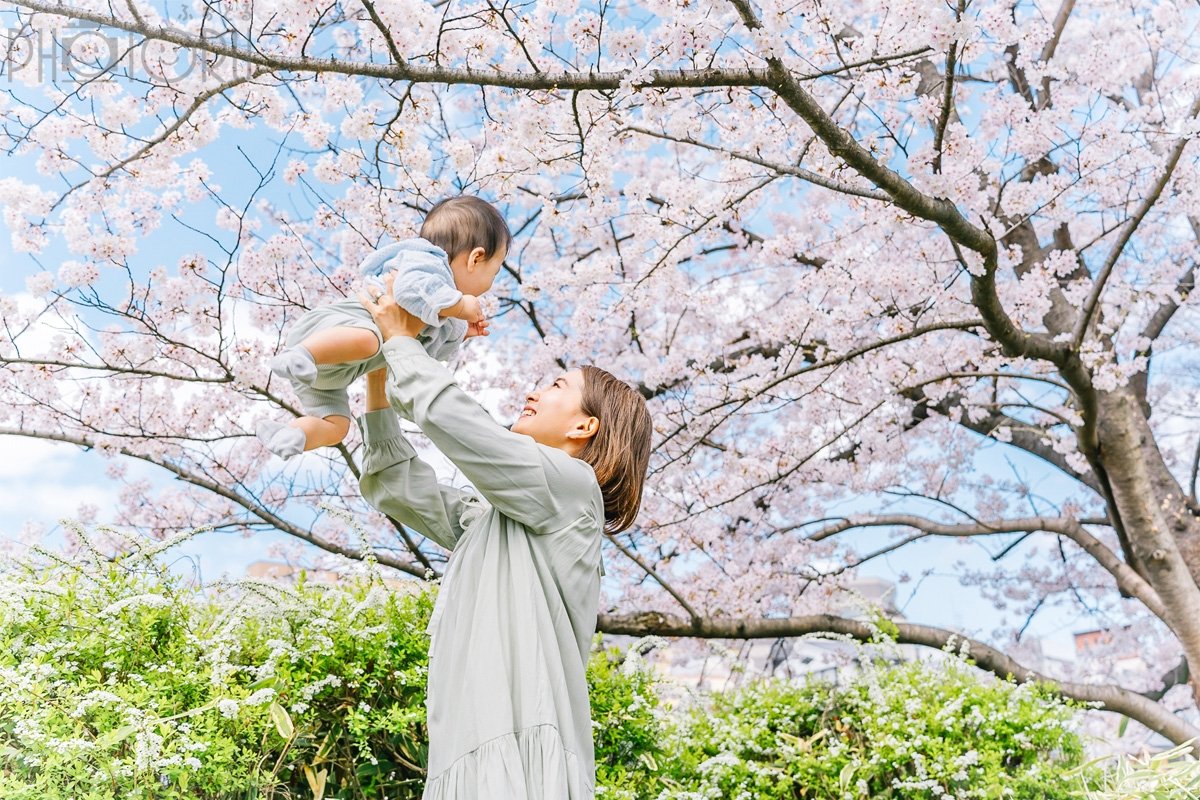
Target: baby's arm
466,309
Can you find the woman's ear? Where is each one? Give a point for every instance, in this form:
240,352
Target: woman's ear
585,429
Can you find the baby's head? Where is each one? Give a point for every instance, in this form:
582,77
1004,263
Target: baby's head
474,236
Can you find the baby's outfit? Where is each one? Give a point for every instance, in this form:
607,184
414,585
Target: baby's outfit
424,285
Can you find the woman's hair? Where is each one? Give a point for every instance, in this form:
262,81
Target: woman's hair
620,450
460,224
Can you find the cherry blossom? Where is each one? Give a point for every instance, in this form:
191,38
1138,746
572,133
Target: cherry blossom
888,274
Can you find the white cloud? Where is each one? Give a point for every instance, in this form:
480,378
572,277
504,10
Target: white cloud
40,482
28,457
47,501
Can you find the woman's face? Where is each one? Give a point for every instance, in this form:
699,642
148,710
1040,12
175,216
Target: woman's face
553,415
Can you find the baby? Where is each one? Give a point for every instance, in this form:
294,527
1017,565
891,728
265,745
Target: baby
440,276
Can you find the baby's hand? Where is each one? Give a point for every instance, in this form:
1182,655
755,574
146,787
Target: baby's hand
476,329
472,311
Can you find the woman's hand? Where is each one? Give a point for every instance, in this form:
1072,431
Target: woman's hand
390,318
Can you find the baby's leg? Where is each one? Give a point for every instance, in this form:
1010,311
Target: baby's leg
336,345
341,344
302,434
322,431
326,422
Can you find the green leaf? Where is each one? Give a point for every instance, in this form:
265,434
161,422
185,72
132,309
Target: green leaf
846,775
1121,728
263,683
283,722
119,735
316,781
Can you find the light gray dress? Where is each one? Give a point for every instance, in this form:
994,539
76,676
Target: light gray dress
512,626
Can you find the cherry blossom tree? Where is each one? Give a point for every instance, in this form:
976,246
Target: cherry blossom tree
854,254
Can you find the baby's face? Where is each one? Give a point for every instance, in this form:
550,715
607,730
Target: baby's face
473,273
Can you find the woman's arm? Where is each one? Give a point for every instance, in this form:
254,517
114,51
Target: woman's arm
540,487
376,389
398,483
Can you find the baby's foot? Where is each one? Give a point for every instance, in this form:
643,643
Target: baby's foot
280,438
295,363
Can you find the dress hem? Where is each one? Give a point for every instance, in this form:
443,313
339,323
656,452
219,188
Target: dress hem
530,763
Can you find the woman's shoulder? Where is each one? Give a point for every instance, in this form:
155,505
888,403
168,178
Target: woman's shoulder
575,484
569,467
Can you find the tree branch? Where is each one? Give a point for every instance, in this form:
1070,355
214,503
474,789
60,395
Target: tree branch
783,169
140,372
1140,383
1022,436
199,100
387,35
1110,697
402,70
939,132
1163,314
1127,231
650,571
1129,581
1015,340
216,488
1060,23
831,362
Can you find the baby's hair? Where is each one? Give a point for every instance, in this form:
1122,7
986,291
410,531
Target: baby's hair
460,224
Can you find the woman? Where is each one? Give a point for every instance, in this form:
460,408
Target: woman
516,611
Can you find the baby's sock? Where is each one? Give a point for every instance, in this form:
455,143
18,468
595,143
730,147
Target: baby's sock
280,438
295,363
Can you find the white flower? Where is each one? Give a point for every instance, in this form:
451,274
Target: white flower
149,600
41,283
77,273
146,746
294,170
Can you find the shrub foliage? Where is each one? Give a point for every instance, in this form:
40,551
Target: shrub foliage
119,679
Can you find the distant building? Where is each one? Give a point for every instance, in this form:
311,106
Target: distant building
1125,663
1089,643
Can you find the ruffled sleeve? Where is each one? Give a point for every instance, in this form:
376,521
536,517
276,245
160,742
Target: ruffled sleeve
401,485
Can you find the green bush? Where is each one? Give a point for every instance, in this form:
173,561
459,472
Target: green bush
910,730
120,680
117,680
628,726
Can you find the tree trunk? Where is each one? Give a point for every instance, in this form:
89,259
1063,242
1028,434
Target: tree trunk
1155,514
